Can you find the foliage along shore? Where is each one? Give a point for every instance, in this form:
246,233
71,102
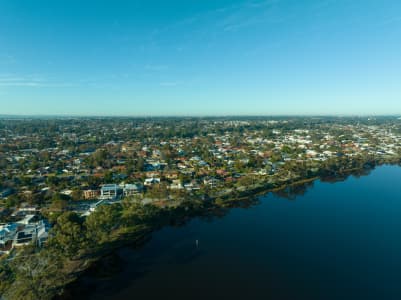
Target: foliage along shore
78,243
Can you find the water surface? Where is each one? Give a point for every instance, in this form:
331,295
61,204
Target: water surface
337,241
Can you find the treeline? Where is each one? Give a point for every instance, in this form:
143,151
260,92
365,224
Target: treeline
74,244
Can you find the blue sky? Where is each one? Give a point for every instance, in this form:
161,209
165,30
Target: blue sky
200,57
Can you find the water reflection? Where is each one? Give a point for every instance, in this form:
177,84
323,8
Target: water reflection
287,247
293,191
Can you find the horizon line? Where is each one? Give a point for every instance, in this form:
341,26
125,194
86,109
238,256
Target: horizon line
191,115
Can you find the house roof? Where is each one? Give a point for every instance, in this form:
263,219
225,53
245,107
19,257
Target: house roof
131,187
108,187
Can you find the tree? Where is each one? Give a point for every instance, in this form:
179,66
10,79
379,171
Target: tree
140,164
102,222
6,276
77,195
11,201
99,157
69,236
58,204
37,277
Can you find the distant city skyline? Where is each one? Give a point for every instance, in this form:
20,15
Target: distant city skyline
200,58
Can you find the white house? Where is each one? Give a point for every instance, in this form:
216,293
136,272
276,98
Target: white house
26,220
176,185
7,233
42,233
25,237
132,189
151,181
110,191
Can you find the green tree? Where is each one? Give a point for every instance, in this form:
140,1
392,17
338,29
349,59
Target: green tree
37,277
77,195
6,276
69,237
58,204
100,223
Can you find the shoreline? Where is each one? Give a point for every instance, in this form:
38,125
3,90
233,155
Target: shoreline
250,195
69,261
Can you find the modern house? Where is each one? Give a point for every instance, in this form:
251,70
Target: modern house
91,194
42,232
25,236
32,233
110,192
7,233
132,189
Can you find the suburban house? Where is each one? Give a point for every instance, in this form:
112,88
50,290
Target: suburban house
25,237
132,189
91,194
211,181
32,233
110,191
191,186
171,175
176,185
42,231
151,181
7,233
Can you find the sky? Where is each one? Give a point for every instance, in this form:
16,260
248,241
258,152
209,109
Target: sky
204,57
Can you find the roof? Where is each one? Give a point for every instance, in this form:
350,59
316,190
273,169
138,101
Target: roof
9,227
113,185
26,219
131,187
108,187
150,180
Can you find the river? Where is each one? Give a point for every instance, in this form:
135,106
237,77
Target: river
335,241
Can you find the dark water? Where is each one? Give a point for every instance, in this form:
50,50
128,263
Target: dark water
338,241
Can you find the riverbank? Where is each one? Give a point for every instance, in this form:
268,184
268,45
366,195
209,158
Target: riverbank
277,249
79,245
219,209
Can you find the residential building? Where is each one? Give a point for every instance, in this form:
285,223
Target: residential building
151,181
25,236
110,191
132,189
7,233
176,185
91,194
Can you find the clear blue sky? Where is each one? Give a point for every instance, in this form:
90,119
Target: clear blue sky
200,57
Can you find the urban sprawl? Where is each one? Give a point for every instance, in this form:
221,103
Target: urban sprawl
53,165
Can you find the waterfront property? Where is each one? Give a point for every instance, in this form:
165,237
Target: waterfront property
24,232
326,241
7,234
110,191
132,189
91,194
194,163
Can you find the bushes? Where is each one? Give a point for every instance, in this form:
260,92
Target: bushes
37,276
